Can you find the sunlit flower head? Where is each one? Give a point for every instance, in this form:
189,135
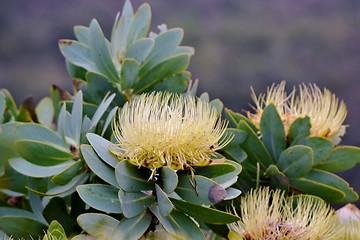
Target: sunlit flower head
165,129
268,215
324,109
349,222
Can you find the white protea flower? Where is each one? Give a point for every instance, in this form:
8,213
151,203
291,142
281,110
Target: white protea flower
268,215
324,109
349,222
165,129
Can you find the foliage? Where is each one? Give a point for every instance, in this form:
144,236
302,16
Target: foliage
59,179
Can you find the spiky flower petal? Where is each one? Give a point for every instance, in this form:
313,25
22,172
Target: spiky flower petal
325,111
165,129
349,222
268,215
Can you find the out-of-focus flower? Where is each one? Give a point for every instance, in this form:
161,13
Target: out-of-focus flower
268,215
349,222
324,109
165,129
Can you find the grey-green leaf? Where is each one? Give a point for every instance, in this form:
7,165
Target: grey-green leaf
98,225
131,178
101,197
164,203
296,161
134,203
272,131
132,228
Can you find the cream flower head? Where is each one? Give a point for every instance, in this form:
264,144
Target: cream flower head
165,129
349,222
325,111
268,215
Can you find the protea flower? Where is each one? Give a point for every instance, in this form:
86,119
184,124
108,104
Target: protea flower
349,222
325,111
165,129
268,215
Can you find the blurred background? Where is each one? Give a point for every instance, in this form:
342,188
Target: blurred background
238,44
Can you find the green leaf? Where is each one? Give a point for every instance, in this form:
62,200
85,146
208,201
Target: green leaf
129,73
64,190
255,150
296,161
57,231
78,54
42,153
197,190
272,131
232,193
299,130
101,197
20,223
204,214
77,118
120,30
131,178
67,174
215,170
167,68
235,153
326,185
179,224
82,34
45,112
102,170
134,203
11,132
98,86
239,137
101,147
322,148
13,181
104,105
176,83
235,118
169,179
32,170
341,159
229,178
165,46
2,106
164,203
98,225
140,24
100,52
140,49
19,226
132,228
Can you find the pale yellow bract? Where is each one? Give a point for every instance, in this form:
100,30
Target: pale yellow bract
324,109
349,222
165,129
269,215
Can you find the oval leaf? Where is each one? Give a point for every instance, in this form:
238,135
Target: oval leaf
42,153
102,170
97,225
272,131
132,228
169,179
204,214
101,197
296,161
165,205
134,203
131,178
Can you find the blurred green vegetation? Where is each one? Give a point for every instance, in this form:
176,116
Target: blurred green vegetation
238,44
